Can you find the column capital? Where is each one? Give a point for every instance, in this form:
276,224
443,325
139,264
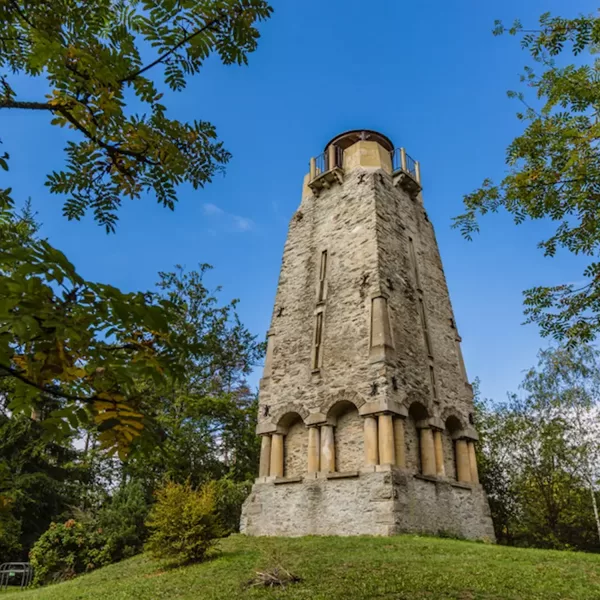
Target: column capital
315,419
466,434
437,423
383,406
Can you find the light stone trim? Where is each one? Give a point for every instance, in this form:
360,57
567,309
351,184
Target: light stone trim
371,441
440,470
427,452
265,456
327,449
276,465
463,465
400,442
473,462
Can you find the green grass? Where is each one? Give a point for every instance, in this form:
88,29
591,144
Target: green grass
342,568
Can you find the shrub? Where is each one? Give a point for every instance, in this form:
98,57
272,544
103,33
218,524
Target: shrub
184,523
10,536
230,497
122,521
66,550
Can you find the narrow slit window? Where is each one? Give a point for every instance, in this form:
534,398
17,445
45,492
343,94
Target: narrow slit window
432,381
322,275
424,326
318,339
413,260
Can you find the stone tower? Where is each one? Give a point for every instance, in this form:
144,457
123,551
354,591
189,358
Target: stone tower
365,408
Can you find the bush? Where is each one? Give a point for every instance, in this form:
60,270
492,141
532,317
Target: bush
122,521
10,537
66,550
184,523
230,497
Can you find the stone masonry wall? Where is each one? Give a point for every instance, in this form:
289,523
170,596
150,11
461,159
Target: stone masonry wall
295,450
365,225
349,443
382,503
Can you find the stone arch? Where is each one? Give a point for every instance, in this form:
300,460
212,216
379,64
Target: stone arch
456,416
281,417
348,435
342,396
417,413
453,424
295,444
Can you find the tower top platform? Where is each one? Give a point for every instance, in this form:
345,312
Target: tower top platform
349,138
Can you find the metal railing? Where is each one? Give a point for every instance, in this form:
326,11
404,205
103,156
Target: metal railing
331,159
14,574
401,161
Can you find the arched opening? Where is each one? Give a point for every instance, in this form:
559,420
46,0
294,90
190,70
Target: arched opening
295,446
348,436
417,412
453,425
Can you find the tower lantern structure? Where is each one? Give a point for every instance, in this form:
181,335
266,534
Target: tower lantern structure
365,410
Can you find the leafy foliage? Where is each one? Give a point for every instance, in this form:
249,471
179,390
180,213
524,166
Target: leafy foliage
66,550
554,169
39,481
539,454
84,345
230,497
91,54
122,521
184,523
95,351
207,418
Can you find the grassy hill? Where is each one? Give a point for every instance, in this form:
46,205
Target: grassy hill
342,568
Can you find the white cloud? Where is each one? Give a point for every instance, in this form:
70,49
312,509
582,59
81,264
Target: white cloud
230,221
212,209
242,223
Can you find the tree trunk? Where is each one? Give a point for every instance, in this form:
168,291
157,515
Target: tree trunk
595,505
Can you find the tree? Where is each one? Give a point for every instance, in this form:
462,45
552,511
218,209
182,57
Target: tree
205,418
39,482
91,54
81,353
539,453
554,169
78,351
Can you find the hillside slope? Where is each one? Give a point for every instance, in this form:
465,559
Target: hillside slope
342,568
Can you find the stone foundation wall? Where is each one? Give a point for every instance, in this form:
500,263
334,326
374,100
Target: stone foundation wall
379,503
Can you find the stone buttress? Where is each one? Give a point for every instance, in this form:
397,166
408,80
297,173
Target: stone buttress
365,410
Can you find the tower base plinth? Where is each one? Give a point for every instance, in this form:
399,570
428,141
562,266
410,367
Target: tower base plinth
376,503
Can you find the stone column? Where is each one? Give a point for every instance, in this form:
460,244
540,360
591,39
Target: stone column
439,453
313,169
331,157
327,449
371,444
265,456
387,452
473,462
399,442
276,469
463,466
381,332
427,452
314,449
268,368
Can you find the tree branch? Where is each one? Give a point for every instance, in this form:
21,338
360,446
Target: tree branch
51,390
27,105
174,49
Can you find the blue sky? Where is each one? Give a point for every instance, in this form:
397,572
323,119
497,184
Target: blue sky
429,75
